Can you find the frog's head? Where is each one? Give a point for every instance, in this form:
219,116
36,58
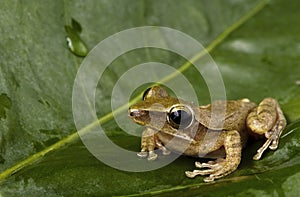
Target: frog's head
161,112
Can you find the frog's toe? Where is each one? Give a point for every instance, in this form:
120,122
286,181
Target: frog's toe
142,154
192,174
161,147
166,152
218,174
152,156
203,165
198,164
274,144
206,165
209,179
273,136
211,164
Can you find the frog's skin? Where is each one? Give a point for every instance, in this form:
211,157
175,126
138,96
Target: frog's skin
193,134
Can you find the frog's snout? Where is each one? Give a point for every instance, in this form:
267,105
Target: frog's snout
135,113
138,116
132,112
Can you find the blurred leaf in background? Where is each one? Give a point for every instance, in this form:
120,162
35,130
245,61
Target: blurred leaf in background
258,59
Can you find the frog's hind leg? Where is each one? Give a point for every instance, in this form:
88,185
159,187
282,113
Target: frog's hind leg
221,167
267,119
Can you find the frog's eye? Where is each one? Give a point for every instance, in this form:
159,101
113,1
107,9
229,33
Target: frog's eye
180,117
145,93
155,92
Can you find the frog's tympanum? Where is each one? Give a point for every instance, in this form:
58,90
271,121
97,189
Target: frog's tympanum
176,125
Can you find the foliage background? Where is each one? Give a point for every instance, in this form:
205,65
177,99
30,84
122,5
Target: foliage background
259,59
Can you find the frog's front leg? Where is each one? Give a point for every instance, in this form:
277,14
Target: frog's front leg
267,119
221,167
149,142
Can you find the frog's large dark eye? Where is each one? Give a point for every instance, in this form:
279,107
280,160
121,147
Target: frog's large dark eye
145,93
180,117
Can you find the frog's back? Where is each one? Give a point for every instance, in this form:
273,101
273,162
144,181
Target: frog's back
225,115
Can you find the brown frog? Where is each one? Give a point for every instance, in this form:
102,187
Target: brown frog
179,126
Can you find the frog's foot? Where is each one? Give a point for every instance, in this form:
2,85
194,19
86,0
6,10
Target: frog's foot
149,143
215,169
149,151
267,119
221,167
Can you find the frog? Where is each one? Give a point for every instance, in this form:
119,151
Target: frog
175,125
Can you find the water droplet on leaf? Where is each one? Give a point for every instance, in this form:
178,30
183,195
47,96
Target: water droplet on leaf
74,42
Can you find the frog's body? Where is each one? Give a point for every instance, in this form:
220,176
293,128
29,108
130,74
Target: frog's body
216,131
199,142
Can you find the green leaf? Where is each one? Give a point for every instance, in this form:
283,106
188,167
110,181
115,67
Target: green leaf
40,151
5,103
